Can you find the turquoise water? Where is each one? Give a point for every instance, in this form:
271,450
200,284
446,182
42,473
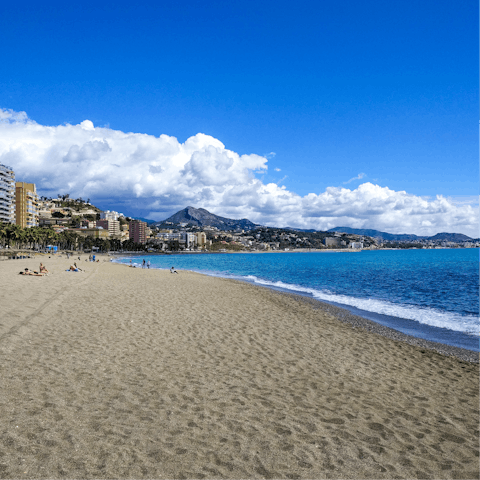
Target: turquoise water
432,294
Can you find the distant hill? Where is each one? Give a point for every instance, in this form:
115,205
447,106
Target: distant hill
202,218
404,237
451,237
376,234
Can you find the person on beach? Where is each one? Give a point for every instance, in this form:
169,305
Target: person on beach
130,262
78,268
148,264
43,269
172,270
143,263
28,272
72,269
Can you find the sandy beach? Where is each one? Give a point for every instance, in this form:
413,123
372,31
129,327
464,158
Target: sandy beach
120,372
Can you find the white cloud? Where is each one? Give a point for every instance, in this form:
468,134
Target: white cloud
10,116
87,125
358,177
277,169
464,200
156,176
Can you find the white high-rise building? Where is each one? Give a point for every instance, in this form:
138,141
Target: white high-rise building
190,239
108,215
7,194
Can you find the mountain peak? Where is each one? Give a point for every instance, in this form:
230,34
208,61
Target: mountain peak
202,218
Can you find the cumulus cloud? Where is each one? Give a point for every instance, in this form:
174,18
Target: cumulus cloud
358,177
154,177
10,116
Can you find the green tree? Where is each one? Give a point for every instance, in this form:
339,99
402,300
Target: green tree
3,233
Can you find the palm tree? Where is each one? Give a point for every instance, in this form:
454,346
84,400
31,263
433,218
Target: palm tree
3,233
13,234
41,237
68,240
30,236
51,237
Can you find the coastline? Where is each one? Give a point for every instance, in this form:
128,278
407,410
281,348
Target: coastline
357,321
345,315
131,373
397,323
296,250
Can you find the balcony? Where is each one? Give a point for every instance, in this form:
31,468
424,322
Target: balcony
4,168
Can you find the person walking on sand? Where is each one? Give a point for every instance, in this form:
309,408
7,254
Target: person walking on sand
143,263
148,264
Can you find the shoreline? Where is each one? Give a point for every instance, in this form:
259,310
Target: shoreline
357,321
296,250
345,314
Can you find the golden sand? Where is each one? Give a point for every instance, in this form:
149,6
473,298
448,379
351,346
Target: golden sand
119,372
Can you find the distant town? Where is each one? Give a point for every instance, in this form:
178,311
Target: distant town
28,221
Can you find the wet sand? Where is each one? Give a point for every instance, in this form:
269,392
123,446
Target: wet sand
128,373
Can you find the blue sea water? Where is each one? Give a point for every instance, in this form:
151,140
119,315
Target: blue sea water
431,294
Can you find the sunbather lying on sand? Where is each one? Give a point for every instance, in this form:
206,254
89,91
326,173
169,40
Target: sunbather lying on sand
28,272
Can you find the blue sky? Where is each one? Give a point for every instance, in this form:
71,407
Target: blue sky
374,91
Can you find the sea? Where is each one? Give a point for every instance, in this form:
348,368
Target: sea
429,294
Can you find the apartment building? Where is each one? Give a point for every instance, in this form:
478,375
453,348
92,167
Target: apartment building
26,205
108,215
136,231
201,239
113,226
186,238
7,194
190,239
